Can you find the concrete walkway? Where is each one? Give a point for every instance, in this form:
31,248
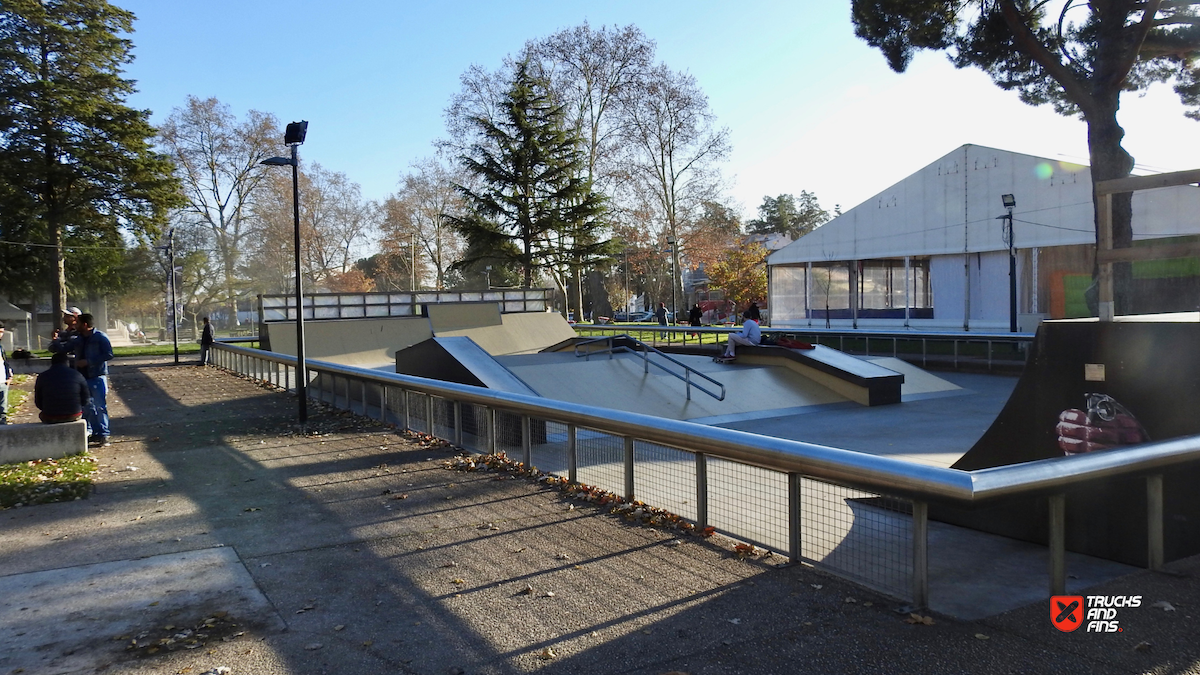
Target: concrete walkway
352,550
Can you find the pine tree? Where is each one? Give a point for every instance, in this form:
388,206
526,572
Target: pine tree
533,206
76,163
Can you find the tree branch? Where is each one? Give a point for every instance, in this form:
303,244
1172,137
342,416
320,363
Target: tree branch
1028,43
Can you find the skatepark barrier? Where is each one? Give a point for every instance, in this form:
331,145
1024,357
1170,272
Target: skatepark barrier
623,343
860,516
955,348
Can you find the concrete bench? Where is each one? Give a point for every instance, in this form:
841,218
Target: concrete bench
25,442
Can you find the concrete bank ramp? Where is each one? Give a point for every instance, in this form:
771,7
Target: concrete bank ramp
459,359
620,383
373,343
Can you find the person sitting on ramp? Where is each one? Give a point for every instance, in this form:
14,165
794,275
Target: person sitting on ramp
749,336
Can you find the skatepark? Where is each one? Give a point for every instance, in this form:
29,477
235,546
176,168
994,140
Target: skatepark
876,407
351,547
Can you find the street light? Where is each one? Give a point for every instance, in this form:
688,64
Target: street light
1009,202
294,137
171,282
671,249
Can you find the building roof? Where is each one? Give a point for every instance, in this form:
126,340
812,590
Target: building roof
952,206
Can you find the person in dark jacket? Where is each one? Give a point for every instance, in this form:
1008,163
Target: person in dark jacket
206,341
60,393
6,378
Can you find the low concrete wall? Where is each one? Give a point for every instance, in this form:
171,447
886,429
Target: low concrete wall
25,442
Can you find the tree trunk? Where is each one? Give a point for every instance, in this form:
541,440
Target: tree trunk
1109,160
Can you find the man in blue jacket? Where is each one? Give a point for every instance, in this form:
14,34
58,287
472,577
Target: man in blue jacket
93,351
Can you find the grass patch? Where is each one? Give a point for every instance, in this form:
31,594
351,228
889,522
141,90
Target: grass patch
44,481
157,350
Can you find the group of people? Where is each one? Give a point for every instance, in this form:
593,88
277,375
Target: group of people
76,384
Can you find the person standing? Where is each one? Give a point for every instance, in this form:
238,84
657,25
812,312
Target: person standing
93,351
60,393
6,378
206,341
661,313
63,340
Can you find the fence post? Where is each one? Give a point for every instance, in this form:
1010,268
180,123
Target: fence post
458,429
572,453
920,552
701,490
1154,521
366,410
407,411
526,442
794,506
491,430
383,403
1057,543
629,468
429,414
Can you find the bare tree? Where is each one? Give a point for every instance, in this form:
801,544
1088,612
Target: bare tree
217,159
417,214
334,222
674,149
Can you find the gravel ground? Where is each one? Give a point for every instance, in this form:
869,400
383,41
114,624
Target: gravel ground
352,549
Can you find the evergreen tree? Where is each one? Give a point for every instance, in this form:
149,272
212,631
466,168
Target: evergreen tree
76,163
532,206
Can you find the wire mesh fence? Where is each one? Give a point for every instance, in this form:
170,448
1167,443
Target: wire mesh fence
601,459
443,418
857,534
749,502
665,477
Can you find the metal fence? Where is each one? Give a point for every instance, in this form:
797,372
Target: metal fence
863,517
372,305
952,347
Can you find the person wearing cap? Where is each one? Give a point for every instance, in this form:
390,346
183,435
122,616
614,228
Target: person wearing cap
63,340
6,378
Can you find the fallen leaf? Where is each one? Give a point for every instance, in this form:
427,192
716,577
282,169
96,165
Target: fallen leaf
1164,606
915,618
816,586
340,626
547,654
1143,647
734,621
981,636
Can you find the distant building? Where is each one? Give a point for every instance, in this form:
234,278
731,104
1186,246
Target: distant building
929,252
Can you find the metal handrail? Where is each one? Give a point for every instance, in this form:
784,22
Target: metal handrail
847,467
688,371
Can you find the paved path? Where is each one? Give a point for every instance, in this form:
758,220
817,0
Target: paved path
294,554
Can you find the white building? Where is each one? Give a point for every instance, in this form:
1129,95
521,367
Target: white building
929,252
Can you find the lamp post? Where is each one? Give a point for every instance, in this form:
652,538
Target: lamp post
294,138
171,302
1009,202
671,250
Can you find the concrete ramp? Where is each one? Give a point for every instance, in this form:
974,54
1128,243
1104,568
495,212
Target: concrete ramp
521,333
365,343
620,383
460,360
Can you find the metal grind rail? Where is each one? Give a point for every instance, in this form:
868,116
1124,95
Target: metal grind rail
860,516
646,351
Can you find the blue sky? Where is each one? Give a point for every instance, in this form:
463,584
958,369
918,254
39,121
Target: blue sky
808,105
